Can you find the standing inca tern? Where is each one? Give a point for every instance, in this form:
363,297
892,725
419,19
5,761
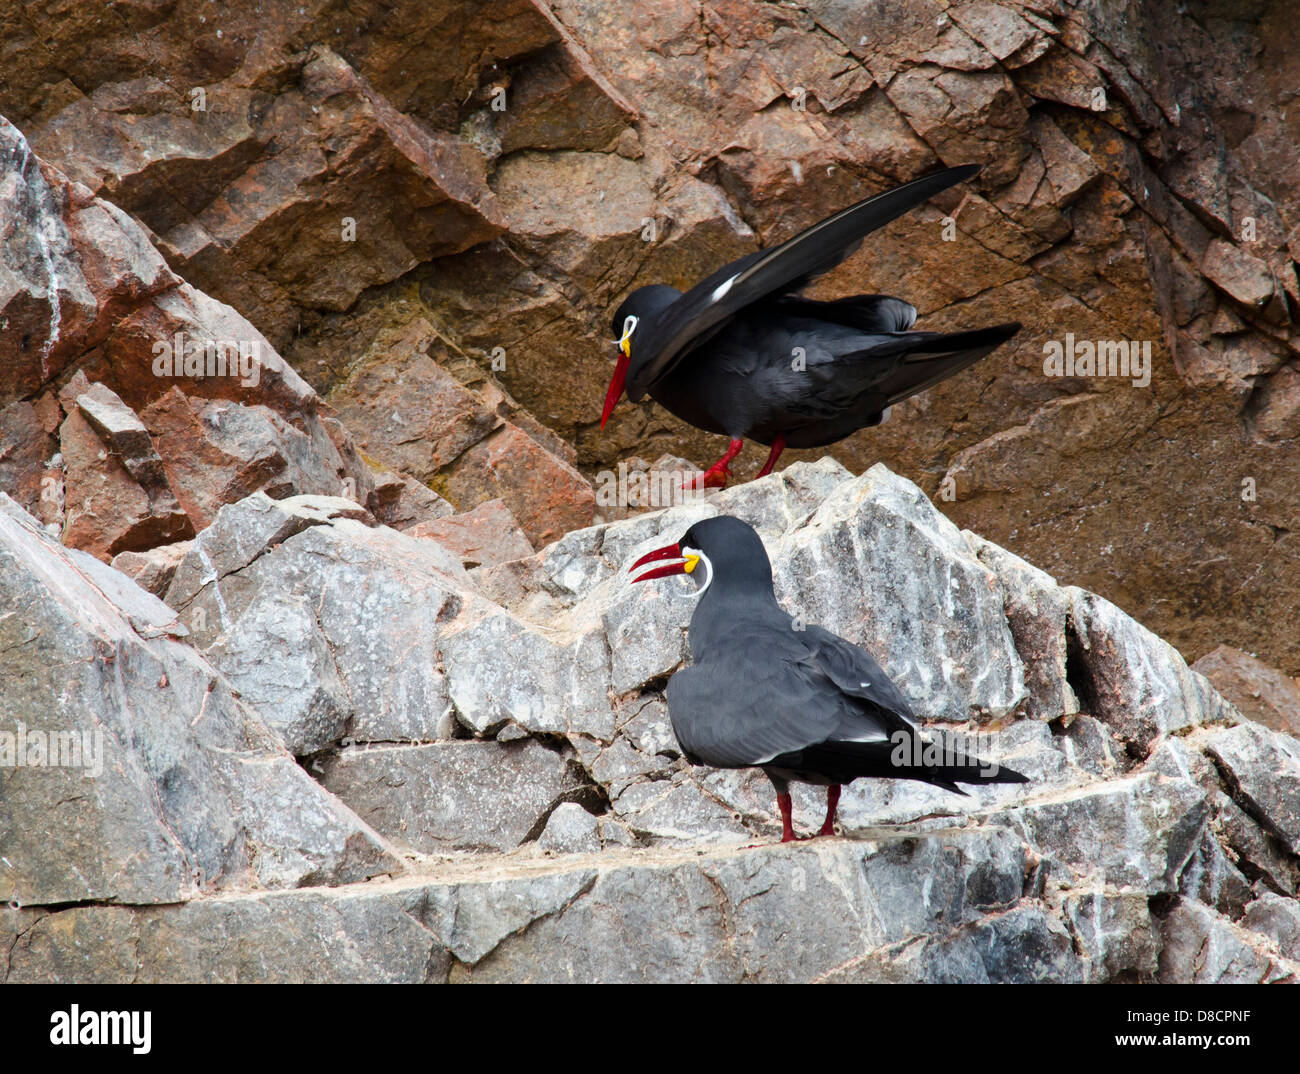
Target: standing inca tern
800,703
743,355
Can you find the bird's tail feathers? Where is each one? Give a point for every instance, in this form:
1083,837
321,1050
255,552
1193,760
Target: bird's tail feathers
935,356
931,345
959,768
930,760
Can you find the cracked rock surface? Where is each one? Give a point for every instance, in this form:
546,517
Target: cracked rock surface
382,188
365,695
487,786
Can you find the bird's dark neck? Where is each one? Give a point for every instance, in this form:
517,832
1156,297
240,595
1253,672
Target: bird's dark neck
726,612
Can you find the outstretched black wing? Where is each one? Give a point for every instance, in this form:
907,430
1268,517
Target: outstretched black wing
767,272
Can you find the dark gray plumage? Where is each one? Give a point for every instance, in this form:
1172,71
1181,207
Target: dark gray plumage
743,355
802,704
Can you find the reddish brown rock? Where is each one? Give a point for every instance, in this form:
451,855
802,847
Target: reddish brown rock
1276,408
560,101
585,221
387,195
1013,38
153,570
125,436
1262,693
1244,276
484,537
107,509
303,201
179,339
401,502
54,300
545,494
218,452
418,418
25,448
123,334
411,413
358,481
84,288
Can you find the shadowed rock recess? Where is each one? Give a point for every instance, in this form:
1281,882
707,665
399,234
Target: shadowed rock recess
318,659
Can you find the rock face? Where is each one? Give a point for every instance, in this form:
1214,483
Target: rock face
346,174
366,690
316,618
124,749
454,795
486,536
1262,693
497,743
466,439
138,406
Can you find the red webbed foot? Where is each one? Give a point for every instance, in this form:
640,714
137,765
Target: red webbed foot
715,477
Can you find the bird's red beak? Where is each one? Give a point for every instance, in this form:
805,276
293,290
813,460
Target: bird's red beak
672,551
615,386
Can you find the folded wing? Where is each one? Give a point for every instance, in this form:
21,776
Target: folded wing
802,691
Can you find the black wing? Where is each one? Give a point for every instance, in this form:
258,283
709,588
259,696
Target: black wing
856,673
790,691
766,272
850,373
938,356
866,313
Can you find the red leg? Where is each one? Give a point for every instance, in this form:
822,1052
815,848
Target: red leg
832,803
778,446
787,821
715,477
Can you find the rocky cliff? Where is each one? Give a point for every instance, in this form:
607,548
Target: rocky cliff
382,188
312,662
334,753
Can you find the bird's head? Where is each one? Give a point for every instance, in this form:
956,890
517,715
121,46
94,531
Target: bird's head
722,549
641,306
